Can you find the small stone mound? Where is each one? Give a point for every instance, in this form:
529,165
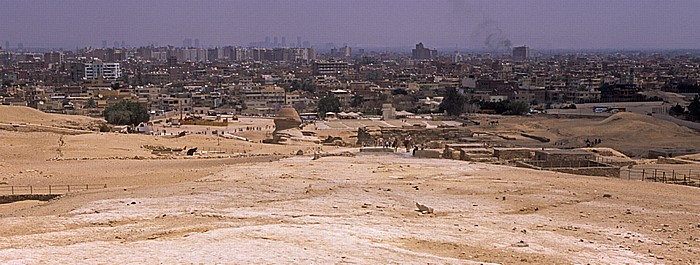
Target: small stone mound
424,209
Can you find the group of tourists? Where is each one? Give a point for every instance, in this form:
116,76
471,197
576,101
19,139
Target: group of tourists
393,142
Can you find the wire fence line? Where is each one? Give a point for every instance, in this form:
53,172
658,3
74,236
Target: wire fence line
672,176
47,189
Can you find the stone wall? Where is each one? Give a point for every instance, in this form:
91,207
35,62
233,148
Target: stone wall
592,171
26,197
513,153
563,155
428,153
597,170
419,135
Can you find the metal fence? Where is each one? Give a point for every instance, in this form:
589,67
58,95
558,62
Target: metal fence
48,189
220,150
565,164
673,176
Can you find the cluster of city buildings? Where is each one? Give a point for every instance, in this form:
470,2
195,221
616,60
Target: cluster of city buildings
256,80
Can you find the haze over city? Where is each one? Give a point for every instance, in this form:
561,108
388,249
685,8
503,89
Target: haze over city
490,25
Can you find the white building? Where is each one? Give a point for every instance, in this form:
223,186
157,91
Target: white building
106,71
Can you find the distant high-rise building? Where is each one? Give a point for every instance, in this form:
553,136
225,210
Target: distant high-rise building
457,57
53,57
422,53
106,71
306,44
284,41
267,41
347,51
7,44
196,43
330,68
172,61
298,42
115,44
187,43
275,43
20,46
521,53
104,44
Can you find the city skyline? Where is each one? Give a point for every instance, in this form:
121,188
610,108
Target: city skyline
478,25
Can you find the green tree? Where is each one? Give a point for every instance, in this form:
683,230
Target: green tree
91,103
694,108
677,109
453,103
328,104
126,113
305,85
357,101
517,108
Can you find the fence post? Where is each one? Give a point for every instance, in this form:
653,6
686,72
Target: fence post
673,173
31,190
629,173
664,179
655,173
664,175
644,171
49,189
87,187
68,188
13,190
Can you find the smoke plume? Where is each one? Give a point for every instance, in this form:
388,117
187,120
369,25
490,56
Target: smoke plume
489,36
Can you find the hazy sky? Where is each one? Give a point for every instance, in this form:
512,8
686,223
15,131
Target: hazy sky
632,24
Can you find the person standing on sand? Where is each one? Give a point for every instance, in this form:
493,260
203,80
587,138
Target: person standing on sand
407,142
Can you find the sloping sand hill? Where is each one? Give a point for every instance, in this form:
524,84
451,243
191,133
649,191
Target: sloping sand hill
36,118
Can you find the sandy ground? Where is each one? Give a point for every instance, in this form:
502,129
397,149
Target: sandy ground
258,203
363,211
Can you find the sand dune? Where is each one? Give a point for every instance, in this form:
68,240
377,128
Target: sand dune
26,115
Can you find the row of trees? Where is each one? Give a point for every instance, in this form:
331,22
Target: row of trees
454,104
126,113
691,112
132,113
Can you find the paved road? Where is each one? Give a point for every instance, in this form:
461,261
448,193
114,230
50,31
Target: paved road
689,124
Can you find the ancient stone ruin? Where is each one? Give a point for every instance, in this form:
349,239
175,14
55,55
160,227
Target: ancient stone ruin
419,135
287,130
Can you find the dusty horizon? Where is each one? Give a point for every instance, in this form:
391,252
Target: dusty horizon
474,25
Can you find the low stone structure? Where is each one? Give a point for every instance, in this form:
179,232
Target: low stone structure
581,167
476,154
428,153
563,155
376,150
503,153
452,150
420,135
655,153
575,161
25,197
